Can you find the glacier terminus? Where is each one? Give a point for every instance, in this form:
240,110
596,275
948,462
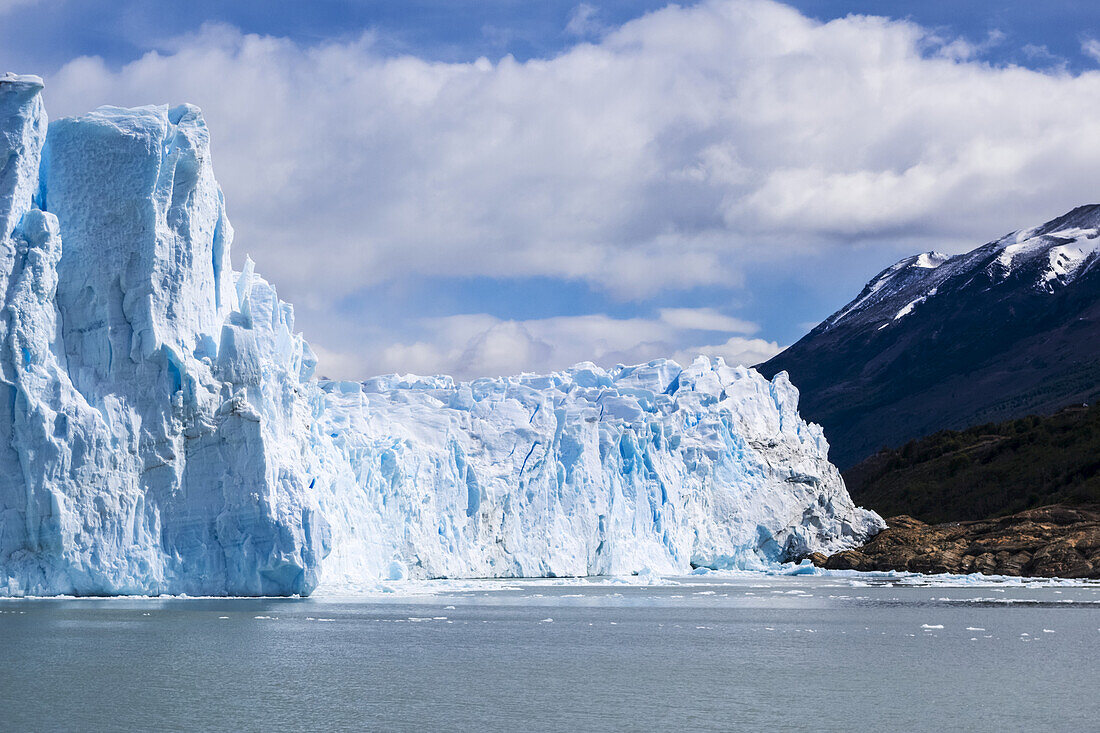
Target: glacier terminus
162,430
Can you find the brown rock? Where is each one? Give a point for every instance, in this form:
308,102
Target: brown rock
1060,515
1015,564
937,562
985,563
1052,541
1087,541
906,522
848,560
1059,559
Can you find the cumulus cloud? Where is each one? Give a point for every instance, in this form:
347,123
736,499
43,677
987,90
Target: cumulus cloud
670,153
481,345
682,143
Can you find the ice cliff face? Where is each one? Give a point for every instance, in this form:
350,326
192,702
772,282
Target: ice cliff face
151,399
579,472
161,430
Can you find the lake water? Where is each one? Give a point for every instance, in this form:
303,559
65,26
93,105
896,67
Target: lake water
698,653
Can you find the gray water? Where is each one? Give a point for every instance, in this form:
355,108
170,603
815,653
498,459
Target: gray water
765,653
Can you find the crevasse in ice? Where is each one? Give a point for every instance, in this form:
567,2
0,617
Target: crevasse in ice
161,430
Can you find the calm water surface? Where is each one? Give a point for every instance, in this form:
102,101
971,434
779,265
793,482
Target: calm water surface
768,653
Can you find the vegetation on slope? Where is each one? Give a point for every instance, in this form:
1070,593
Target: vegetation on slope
986,471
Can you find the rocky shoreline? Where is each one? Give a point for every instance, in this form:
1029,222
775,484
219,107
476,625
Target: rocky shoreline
1052,541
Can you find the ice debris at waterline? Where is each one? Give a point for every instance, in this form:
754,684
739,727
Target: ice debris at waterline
162,430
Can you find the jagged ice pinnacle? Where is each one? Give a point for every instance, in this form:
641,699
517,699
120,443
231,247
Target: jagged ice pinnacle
161,430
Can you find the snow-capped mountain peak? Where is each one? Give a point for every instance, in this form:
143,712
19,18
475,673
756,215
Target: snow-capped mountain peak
1056,252
913,276
930,260
1043,258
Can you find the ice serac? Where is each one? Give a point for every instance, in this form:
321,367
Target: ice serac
161,430
148,400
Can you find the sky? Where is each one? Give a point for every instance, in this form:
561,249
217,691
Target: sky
484,188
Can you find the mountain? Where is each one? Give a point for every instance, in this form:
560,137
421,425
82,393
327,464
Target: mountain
161,430
937,342
987,470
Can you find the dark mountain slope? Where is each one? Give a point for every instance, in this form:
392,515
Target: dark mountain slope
986,471
935,342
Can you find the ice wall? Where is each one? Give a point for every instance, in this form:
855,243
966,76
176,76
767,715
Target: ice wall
581,472
148,407
161,430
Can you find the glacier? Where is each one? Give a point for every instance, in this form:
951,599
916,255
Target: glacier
162,430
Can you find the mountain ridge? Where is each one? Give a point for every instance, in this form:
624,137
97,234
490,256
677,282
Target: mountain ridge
936,342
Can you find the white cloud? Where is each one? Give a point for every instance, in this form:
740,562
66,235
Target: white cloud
1091,48
736,350
706,319
666,155
478,344
337,364
583,21
1041,54
961,49
670,153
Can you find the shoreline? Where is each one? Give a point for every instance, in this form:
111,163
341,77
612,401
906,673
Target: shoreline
1054,541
